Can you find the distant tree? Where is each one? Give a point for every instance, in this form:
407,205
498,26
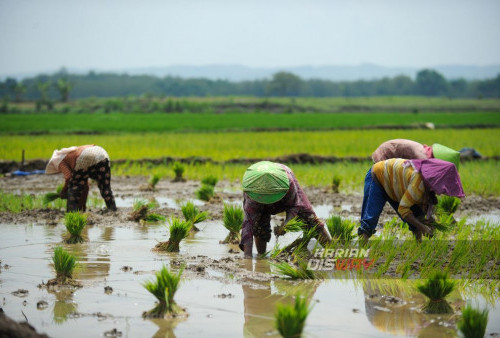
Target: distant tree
458,87
43,88
64,87
431,83
284,84
19,91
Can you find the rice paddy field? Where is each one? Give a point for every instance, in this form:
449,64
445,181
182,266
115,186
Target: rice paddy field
372,293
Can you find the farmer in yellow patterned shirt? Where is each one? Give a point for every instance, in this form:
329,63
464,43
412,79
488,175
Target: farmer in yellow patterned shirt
410,186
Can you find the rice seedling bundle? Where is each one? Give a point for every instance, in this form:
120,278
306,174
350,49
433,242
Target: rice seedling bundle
64,264
164,288
205,193
178,169
232,220
336,183
436,288
75,223
448,205
210,180
290,319
153,181
193,215
178,231
340,229
300,271
141,211
473,322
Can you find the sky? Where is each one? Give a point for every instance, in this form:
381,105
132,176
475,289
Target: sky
46,35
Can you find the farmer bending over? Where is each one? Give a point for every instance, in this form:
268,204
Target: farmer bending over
410,187
411,150
78,164
268,189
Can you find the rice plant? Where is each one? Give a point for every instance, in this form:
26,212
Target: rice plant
193,215
205,193
154,218
64,264
141,211
178,169
52,196
178,231
448,204
153,181
473,322
232,220
291,319
164,288
75,223
436,288
340,229
210,180
301,271
336,180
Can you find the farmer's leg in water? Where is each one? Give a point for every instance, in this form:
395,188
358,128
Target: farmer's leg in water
101,173
76,187
262,233
374,199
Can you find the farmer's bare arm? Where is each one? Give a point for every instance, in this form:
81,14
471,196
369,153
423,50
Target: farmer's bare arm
421,227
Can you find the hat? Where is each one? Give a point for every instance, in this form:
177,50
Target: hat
446,154
266,182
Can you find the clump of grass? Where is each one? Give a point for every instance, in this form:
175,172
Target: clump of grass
193,215
336,180
178,231
232,220
473,322
436,288
291,319
153,181
205,193
210,180
340,229
178,169
141,211
448,204
300,271
64,264
164,288
75,223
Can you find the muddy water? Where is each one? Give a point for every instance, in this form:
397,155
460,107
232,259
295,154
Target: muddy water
234,298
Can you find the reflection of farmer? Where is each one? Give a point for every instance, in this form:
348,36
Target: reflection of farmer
270,188
411,150
410,186
78,164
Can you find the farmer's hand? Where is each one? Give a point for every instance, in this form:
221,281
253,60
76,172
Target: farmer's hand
279,230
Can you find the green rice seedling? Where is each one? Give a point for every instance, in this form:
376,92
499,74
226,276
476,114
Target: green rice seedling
164,288
210,180
153,218
141,210
75,223
64,264
178,231
436,288
336,180
153,181
205,193
232,220
448,204
178,169
193,215
291,319
340,229
52,196
301,271
473,322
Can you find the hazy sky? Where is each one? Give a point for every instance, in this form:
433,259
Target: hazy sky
44,35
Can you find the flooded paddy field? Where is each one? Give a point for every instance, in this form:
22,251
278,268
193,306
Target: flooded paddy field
224,294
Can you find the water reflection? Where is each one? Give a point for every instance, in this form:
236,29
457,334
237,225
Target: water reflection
261,298
64,305
394,307
166,327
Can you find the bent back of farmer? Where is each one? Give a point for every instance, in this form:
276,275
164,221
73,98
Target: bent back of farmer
411,150
268,189
78,164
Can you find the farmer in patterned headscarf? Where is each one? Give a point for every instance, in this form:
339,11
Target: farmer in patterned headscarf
78,164
268,189
410,187
411,150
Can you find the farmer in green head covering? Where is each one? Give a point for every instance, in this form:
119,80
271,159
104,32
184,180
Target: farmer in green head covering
411,150
268,189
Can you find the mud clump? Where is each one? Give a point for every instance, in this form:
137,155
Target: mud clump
11,328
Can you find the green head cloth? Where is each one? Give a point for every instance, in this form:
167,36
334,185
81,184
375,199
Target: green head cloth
266,182
446,154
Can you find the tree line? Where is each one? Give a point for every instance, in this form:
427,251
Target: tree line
61,86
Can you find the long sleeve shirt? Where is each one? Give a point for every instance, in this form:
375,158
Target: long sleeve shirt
401,183
294,203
